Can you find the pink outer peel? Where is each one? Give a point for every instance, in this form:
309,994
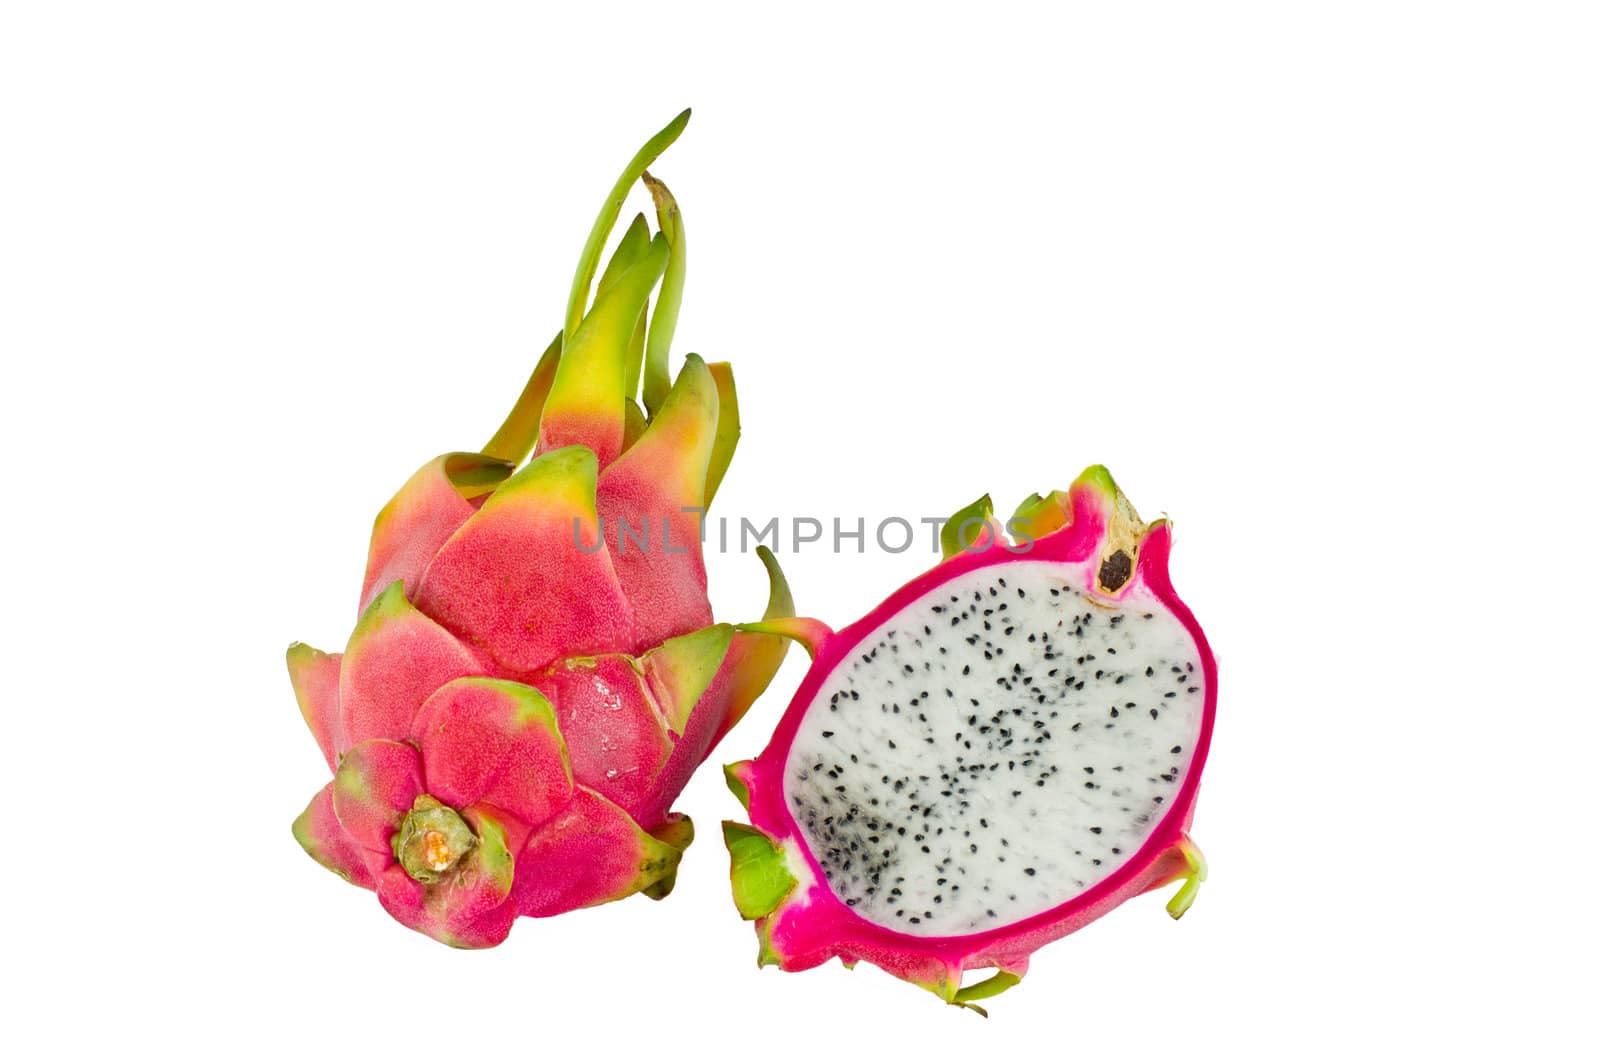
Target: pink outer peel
315,676
572,769
616,736
525,578
525,694
656,487
809,924
591,852
490,751
430,507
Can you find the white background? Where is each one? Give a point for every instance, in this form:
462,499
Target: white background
1318,280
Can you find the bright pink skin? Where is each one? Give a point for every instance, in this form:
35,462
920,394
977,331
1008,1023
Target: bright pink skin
406,709
319,831
588,852
480,745
618,741
519,581
396,659
420,519
650,489
315,675
808,929
491,750
522,697
742,677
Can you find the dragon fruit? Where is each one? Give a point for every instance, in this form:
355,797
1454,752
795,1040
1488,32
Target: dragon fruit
535,672
1004,750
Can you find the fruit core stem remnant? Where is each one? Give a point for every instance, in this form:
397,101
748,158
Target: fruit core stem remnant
432,840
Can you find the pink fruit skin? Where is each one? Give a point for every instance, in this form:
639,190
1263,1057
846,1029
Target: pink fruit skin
808,929
523,697
516,590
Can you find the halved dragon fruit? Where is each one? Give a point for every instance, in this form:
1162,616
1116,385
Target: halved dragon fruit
1004,750
535,672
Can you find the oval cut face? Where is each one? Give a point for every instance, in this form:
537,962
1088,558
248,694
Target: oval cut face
995,749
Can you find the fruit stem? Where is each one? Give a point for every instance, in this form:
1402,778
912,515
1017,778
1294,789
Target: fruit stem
589,261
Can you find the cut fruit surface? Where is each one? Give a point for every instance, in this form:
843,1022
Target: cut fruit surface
1004,750
995,749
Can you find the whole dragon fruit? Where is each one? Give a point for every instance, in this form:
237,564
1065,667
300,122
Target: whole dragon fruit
1004,750
535,673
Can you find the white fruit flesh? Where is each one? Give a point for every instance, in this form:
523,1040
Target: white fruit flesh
995,749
